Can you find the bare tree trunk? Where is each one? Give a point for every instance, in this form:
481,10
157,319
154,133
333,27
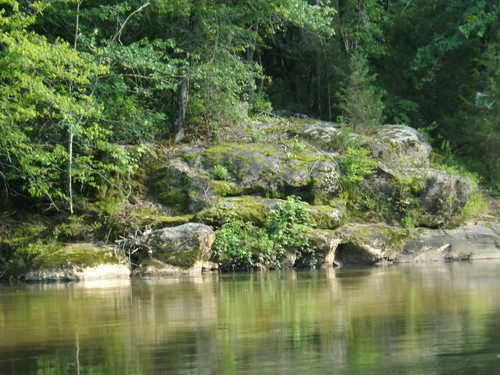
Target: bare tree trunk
69,175
182,102
69,166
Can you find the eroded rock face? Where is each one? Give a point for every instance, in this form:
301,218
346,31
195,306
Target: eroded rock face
257,210
401,145
182,246
326,244
445,195
77,262
466,243
182,188
366,244
268,170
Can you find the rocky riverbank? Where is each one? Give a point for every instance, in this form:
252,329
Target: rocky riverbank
367,199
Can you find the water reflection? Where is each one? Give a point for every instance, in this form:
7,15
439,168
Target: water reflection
438,318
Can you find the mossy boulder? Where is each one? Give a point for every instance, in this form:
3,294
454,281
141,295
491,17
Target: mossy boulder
251,208
326,217
445,196
257,210
320,132
367,244
181,188
76,262
182,246
431,197
157,221
400,145
273,170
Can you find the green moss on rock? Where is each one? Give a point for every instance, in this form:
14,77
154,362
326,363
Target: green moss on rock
78,255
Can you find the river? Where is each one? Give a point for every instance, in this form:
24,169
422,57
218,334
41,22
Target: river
441,318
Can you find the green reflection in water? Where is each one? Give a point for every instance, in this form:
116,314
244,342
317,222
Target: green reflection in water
439,318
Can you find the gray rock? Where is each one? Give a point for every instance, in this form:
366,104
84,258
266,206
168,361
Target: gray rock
445,195
325,243
401,145
78,262
268,170
181,187
182,246
367,244
320,131
154,269
465,243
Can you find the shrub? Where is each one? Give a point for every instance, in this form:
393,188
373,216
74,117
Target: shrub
241,245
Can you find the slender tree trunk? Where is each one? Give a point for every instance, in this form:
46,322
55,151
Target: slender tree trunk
69,176
69,167
250,57
182,102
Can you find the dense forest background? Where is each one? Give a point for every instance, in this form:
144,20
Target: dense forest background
81,78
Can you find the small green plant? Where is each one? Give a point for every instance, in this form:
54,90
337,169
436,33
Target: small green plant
298,146
221,173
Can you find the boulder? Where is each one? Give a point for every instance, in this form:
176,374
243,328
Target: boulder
182,188
400,145
367,244
269,170
320,132
464,243
77,262
444,195
257,210
183,246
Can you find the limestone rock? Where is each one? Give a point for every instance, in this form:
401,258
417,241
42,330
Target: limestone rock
183,188
401,145
325,243
465,243
182,246
268,170
77,262
366,244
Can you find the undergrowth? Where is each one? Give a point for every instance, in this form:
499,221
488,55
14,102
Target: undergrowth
241,245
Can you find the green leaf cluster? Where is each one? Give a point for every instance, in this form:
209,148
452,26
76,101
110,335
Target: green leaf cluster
241,245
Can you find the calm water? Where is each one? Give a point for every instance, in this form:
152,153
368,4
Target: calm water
432,319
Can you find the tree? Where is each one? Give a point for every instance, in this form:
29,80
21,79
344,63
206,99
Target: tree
45,103
360,101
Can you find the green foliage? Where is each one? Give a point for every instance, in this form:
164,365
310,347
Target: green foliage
46,103
241,245
360,101
221,173
356,165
